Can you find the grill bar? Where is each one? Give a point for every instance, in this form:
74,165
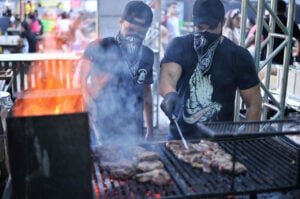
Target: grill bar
254,129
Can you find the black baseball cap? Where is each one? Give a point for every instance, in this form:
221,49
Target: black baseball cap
209,12
138,10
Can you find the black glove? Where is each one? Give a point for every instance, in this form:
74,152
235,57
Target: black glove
171,104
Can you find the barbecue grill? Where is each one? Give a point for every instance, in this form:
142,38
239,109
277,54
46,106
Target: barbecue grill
272,161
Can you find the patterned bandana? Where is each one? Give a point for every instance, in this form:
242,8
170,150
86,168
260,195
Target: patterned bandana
131,49
205,44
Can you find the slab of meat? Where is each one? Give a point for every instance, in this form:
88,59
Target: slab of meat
146,156
227,167
157,176
122,169
149,165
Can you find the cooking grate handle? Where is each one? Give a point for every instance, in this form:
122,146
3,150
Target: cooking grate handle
203,129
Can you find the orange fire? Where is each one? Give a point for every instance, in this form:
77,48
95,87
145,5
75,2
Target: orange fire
49,91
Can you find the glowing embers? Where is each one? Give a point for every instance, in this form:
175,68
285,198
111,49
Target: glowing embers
107,187
49,91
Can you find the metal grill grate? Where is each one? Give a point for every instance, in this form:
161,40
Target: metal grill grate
272,164
240,130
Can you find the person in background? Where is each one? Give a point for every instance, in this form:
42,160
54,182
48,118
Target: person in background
249,24
62,31
231,28
115,74
40,11
281,14
78,40
172,20
28,40
36,24
29,8
7,12
201,72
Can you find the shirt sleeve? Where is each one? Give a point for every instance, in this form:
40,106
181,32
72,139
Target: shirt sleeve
148,61
245,68
174,51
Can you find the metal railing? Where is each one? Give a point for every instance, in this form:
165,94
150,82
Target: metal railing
278,105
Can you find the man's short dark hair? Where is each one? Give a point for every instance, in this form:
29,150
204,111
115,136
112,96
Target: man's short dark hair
281,6
139,10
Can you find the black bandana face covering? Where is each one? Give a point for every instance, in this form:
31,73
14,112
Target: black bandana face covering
202,40
205,44
130,45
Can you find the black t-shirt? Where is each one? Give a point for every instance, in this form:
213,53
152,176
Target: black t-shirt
121,98
278,59
210,96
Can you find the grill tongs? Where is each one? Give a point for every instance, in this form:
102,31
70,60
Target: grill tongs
180,133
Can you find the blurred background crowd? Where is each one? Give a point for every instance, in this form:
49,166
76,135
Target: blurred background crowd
40,26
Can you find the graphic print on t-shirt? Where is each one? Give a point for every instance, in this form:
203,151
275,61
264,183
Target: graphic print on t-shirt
199,105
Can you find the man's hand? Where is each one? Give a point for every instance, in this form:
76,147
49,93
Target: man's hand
171,104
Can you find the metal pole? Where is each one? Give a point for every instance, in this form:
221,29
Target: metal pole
287,53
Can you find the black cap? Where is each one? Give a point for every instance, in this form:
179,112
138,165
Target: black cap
209,12
281,6
138,10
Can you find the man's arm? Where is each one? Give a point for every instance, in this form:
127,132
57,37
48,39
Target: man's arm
253,100
148,111
168,77
81,73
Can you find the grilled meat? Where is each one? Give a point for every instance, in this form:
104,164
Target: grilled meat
133,162
149,165
205,155
123,173
146,156
157,176
121,169
227,167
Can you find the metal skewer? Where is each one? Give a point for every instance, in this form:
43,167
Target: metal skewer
180,133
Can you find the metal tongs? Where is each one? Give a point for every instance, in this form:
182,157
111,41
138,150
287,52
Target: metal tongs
180,133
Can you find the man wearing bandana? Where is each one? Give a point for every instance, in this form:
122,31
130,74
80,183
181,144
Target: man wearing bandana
201,72
116,74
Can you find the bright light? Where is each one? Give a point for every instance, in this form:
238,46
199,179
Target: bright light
7,3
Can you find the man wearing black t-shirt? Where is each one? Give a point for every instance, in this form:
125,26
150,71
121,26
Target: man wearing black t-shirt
116,74
201,72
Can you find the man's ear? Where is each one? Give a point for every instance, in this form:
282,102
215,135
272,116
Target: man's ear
121,20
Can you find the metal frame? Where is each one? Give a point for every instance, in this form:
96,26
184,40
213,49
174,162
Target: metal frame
262,5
